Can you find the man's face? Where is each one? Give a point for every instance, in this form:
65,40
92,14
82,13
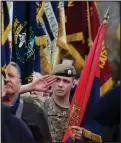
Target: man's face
13,81
63,86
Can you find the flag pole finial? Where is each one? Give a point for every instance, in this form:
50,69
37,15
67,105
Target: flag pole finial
106,16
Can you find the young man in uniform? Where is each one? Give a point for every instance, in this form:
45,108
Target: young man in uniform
57,106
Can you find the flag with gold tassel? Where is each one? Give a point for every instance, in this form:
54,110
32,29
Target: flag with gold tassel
53,24
49,21
87,94
61,39
82,23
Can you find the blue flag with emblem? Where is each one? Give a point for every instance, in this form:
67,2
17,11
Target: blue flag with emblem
26,38
5,49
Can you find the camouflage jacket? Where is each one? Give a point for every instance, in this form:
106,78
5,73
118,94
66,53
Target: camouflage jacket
57,116
57,120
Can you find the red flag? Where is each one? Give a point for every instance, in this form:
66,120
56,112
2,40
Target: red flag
83,90
81,28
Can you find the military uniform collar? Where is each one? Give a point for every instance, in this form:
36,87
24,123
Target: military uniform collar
53,102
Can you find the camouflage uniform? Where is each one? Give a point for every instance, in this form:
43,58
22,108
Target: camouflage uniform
57,120
32,99
58,116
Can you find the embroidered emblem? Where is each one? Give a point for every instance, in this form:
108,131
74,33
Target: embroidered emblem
69,72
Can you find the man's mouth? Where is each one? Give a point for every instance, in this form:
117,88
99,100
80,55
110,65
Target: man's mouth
8,86
59,90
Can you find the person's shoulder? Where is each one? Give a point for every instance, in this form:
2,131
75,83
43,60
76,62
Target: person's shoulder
24,131
32,99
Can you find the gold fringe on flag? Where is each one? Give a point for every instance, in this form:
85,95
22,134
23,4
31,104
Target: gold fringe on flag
75,37
41,40
79,61
7,30
40,13
92,136
62,44
60,24
89,26
5,33
63,47
2,18
70,50
45,65
61,40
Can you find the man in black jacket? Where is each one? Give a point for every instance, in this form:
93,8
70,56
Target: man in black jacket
12,128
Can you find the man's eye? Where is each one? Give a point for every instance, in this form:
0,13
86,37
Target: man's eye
58,79
11,76
66,81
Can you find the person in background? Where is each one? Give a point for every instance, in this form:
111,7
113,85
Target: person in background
29,112
12,128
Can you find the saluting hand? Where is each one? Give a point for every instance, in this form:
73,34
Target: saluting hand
43,83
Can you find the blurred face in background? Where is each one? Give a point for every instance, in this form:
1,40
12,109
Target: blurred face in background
13,81
112,44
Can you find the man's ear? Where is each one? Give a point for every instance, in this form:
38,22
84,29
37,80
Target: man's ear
74,83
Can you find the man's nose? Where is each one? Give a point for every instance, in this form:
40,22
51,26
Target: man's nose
7,79
61,83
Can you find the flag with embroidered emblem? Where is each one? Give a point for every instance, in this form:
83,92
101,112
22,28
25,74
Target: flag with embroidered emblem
54,28
5,48
27,32
87,94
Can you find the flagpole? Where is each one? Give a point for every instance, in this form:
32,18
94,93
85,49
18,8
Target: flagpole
106,16
89,26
